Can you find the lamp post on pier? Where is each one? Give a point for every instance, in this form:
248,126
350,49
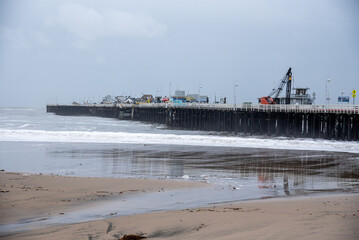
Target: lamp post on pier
327,98
341,96
234,90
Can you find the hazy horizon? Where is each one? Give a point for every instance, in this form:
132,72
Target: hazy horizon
63,51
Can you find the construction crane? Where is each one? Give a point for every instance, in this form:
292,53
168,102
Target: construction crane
273,96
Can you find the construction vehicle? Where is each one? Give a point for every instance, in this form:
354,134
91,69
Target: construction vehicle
266,100
273,96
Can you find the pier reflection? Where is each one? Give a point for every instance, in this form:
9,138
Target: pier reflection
273,172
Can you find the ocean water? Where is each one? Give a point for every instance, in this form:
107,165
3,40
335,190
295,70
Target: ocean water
35,125
34,141
237,167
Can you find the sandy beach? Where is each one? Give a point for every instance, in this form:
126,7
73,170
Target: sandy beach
316,217
26,196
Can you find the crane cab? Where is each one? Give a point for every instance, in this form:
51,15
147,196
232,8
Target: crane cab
266,100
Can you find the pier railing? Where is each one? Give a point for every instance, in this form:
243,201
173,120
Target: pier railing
348,109
354,109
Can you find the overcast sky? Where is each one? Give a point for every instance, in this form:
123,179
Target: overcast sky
78,50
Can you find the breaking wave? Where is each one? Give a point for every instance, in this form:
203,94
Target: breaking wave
173,139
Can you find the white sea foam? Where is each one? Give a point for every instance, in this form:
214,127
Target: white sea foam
24,126
172,139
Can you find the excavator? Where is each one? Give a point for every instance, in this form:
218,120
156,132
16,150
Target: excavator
273,96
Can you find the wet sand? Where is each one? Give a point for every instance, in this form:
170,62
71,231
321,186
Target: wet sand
29,196
320,217
334,217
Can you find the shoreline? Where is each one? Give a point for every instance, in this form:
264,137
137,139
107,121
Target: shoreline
319,217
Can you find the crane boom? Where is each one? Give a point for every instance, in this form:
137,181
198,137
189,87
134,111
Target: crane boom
273,96
276,91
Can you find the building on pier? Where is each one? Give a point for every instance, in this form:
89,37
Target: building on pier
301,97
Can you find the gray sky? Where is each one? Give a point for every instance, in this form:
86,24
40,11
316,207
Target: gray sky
84,49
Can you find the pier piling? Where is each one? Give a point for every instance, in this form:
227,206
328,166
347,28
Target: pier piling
281,120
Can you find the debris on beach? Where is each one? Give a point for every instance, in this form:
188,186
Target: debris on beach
132,237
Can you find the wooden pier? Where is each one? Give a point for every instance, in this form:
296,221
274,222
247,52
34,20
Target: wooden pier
340,122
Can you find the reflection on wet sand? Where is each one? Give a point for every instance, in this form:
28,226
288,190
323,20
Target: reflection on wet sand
286,172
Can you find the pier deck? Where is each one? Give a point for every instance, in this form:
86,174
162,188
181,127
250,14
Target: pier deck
340,122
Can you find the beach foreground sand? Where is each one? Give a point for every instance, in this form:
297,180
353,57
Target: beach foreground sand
24,196
320,217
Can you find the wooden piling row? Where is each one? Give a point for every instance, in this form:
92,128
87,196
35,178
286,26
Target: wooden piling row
311,125
339,126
